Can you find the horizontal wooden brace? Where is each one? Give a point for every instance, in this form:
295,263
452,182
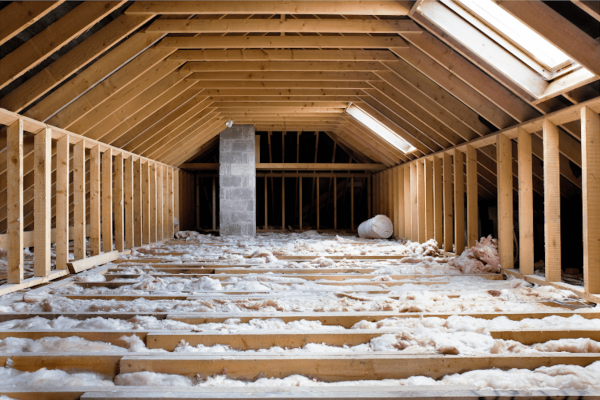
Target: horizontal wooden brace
283,42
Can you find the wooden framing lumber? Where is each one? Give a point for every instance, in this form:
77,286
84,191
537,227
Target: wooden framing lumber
62,202
526,243
590,149
279,42
421,202
119,203
283,55
91,262
95,200
447,198
79,206
137,204
551,203
14,144
42,196
472,206
129,203
107,201
18,16
505,202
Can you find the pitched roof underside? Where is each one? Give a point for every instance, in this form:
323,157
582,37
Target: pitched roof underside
160,79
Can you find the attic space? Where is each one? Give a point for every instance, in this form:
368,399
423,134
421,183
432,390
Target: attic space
299,199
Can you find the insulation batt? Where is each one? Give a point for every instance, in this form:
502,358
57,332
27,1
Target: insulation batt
378,227
479,259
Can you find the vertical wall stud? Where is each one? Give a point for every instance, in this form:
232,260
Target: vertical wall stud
176,211
159,203
14,201
414,203
128,200
525,203
400,195
428,170
505,201
459,202
395,201
42,202
171,200
448,211
62,202
421,200
79,206
137,202
407,213
95,200
590,151
389,185
472,207
166,192
107,201
146,203
437,201
118,203
153,203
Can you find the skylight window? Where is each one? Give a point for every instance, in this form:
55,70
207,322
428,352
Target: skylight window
380,129
529,41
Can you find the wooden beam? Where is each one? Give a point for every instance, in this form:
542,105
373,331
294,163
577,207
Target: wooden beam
282,84
526,243
119,203
61,32
79,206
18,16
62,202
273,66
283,42
559,31
95,198
128,204
472,206
421,202
137,203
590,7
459,202
438,196
283,55
153,206
107,201
345,76
159,203
287,26
378,7
146,203
91,262
552,260
590,146
414,199
505,202
448,210
429,198
42,206
14,201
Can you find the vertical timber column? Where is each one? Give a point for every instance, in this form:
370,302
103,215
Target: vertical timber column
95,200
438,197
159,202
237,180
118,203
395,201
525,203
146,203
459,202
505,202
472,207
42,197
171,198
153,203
407,214
448,212
166,202
414,200
590,152
14,193
400,195
62,202
428,198
389,184
421,199
79,207
137,202
551,202
107,201
128,200
176,199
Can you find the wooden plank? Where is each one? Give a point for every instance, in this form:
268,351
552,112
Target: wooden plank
62,202
288,66
459,202
590,150
30,282
61,32
395,201
533,336
551,203
107,201
421,200
414,224
282,55
128,204
472,206
407,210
176,205
18,16
14,199
119,203
159,203
91,262
79,206
589,6
279,42
153,203
559,31
526,244
448,210
505,201
170,210
260,7
42,199
429,196
287,26
94,181
137,203
146,204
401,198
165,209
438,215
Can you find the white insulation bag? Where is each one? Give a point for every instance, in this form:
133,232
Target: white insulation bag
378,227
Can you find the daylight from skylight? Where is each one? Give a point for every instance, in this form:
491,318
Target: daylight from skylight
379,129
536,46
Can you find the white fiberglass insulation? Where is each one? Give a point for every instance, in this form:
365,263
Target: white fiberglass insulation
378,227
451,293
